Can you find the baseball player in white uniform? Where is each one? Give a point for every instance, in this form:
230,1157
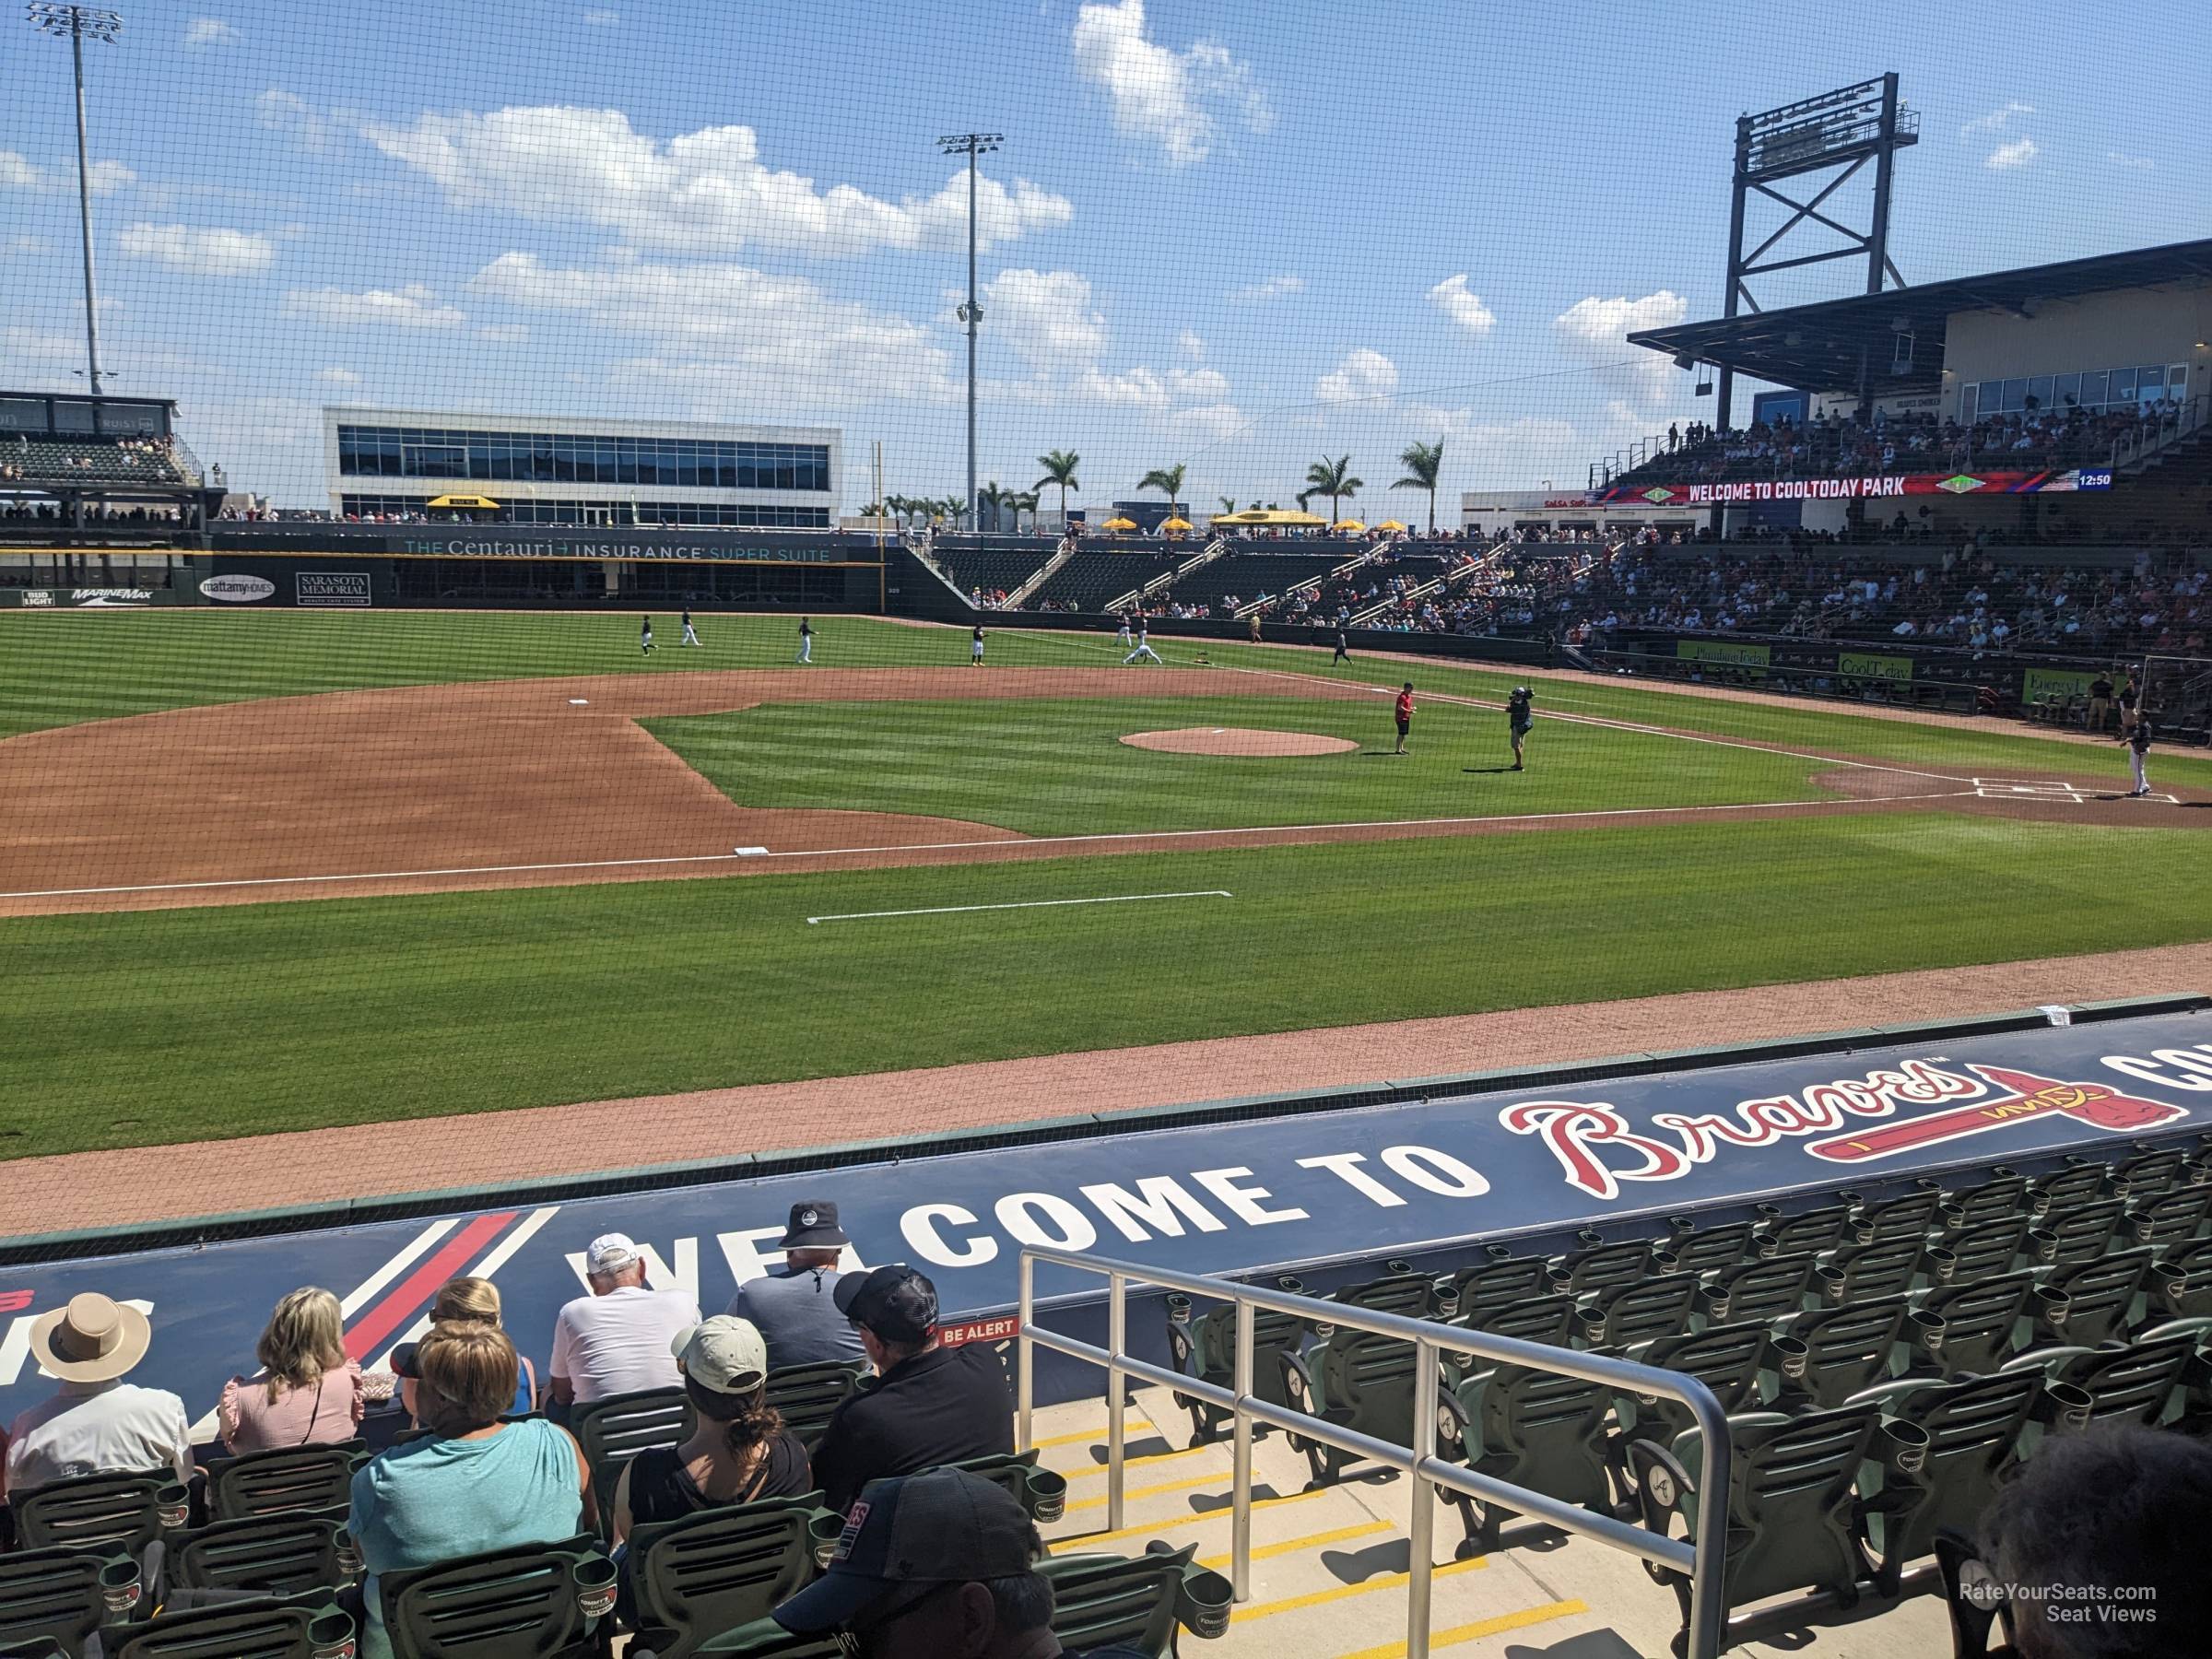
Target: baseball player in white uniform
1144,645
690,634
1123,638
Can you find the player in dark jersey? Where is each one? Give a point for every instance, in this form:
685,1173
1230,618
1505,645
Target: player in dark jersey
1517,719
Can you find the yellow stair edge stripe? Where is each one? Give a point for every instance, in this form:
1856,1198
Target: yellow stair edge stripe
1220,1478
1292,1545
1096,1471
1316,1598
1478,1630
1075,1541
1096,1435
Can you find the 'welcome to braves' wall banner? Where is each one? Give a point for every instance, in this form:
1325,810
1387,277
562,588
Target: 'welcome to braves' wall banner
1752,490
1406,1178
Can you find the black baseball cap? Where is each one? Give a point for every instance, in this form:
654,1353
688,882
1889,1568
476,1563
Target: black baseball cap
947,1526
895,1302
813,1226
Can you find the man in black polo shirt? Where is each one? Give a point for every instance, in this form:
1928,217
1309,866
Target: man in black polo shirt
927,1405
2101,701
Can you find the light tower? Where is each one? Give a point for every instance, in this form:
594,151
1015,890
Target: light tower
971,145
73,23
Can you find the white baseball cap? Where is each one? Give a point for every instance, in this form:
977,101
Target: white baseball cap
609,1252
724,1354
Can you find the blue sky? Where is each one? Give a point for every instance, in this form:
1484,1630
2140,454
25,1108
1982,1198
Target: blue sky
1240,236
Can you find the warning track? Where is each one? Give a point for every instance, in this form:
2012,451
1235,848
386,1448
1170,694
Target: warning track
553,781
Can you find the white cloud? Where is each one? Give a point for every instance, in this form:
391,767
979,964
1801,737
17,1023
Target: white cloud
335,376
2138,163
1212,422
1997,119
1047,316
17,174
729,333
1275,288
1365,372
1189,343
505,334
1452,297
1157,93
1608,323
282,112
602,18
108,177
2018,153
413,306
199,251
203,32
706,192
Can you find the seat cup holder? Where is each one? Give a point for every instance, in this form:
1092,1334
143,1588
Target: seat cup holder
1047,1496
594,1580
1590,1326
120,1587
1834,1282
1665,1261
2043,1245
2051,1306
1397,1266
1943,1265
1903,1446
330,1636
173,1505
1788,1356
1202,1604
2065,1405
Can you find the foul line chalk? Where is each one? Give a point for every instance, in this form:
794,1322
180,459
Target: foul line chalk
954,909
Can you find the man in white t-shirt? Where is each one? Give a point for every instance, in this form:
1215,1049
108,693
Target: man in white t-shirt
617,1339
97,1423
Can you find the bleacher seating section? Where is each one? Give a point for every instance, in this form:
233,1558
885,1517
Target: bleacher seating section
1091,580
90,462
1885,1357
992,570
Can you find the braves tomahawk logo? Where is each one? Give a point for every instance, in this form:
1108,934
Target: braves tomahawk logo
2026,1094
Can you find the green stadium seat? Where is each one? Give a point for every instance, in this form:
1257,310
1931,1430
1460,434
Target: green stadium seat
1355,1381
1981,1248
550,1601
1601,1267
1559,1320
1774,1287
1889,1266
1646,1307
1823,1229
64,1596
1401,1291
709,1573
2104,1297
2078,1180
2169,1217
616,1430
117,1512
2081,1232
1501,1277
288,1477
1736,1361
1906,1218
1791,1501
1136,1601
1846,1350
806,1397
286,1554
2153,1170
2186,1286
1986,1322
1691,1248
1977,1430
1205,1349
2003,1196
308,1626
2160,1378
1534,1429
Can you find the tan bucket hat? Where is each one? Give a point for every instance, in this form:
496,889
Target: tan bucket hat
92,1338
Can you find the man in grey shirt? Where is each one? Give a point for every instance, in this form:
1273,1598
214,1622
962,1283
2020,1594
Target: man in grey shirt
794,1308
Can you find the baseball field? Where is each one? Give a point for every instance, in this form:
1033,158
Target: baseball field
289,870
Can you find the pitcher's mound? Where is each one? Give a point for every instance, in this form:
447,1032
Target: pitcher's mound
1238,740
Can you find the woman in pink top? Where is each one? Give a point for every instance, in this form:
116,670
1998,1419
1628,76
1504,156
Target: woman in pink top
310,1391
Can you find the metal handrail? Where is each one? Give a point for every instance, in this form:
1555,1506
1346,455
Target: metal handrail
1702,1560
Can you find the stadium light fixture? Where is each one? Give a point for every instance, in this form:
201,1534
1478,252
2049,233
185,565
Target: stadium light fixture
971,145
74,23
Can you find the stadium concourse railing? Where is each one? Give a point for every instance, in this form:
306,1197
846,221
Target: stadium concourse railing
1700,1559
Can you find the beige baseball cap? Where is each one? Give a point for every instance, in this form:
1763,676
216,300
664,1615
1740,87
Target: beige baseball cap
724,1354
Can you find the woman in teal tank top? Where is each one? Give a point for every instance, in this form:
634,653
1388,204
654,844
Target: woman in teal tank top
478,1484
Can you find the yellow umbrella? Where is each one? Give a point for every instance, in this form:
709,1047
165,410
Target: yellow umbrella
1119,523
1175,523
1351,526
1389,525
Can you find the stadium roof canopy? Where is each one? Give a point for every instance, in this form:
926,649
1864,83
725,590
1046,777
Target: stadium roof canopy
1818,348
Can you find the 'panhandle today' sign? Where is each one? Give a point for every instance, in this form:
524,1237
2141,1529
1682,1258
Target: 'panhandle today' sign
1220,1198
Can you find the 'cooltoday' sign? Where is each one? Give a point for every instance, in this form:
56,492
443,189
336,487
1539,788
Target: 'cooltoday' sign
1209,1198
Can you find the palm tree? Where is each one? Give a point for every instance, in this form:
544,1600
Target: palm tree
1060,468
1025,501
993,496
1168,479
1422,462
1334,479
1228,503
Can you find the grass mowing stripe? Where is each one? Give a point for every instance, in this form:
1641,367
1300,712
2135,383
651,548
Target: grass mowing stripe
241,1020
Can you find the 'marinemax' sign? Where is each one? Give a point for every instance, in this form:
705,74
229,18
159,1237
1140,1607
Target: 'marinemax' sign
518,547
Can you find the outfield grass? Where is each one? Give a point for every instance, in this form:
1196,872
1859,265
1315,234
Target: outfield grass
59,668
161,1026
1048,767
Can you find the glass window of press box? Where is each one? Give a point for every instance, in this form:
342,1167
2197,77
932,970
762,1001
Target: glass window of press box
732,516
571,458
2100,390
